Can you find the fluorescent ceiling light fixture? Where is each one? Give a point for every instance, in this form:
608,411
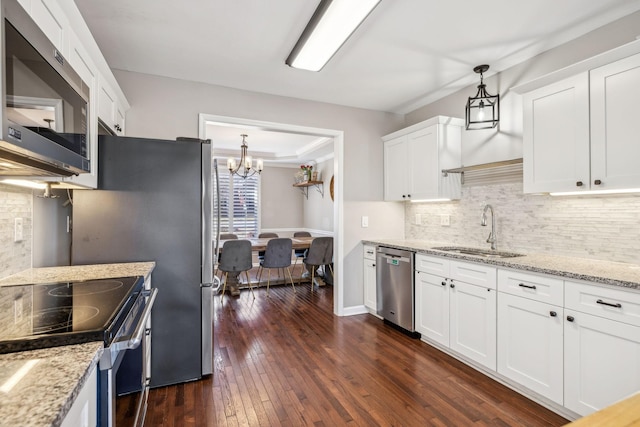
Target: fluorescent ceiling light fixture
331,25
24,183
596,192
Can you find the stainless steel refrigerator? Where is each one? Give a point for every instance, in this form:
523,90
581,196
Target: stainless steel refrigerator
154,204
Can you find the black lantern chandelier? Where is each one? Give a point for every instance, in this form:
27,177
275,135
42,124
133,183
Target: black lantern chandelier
483,110
244,168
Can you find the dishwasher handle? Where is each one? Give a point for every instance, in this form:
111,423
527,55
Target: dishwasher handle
394,259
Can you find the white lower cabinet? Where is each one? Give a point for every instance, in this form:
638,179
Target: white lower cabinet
84,410
369,275
473,322
530,343
456,314
432,307
602,346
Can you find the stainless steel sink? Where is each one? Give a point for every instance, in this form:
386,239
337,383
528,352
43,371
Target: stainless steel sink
485,253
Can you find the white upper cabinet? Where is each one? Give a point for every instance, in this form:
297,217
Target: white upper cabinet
110,112
579,125
414,158
556,136
615,91
51,19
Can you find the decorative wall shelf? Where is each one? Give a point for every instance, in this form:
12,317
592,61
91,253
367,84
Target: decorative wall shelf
304,187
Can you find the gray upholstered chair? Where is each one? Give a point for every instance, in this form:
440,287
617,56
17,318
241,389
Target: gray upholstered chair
277,255
299,253
236,256
265,236
224,236
320,253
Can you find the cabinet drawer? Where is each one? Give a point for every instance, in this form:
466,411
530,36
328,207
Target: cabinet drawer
481,275
539,288
433,265
614,304
369,252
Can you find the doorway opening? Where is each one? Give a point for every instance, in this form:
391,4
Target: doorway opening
317,139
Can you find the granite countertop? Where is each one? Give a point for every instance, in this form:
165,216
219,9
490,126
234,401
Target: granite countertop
46,392
597,271
78,272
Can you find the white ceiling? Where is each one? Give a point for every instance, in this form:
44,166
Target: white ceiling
406,54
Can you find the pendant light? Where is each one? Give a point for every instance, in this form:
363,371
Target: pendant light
483,110
244,168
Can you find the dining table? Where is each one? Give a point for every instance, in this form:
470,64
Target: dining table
259,245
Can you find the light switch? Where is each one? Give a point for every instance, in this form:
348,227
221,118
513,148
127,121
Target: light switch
365,221
445,220
17,235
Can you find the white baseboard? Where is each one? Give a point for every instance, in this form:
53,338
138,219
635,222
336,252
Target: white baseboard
353,310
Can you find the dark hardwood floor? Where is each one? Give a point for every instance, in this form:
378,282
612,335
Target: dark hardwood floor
287,360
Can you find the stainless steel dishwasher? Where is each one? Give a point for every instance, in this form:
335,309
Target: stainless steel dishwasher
395,287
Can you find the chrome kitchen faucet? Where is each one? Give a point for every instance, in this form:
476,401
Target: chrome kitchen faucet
492,235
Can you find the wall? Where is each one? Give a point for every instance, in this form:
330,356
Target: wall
596,227
166,108
15,202
483,146
318,208
52,242
281,203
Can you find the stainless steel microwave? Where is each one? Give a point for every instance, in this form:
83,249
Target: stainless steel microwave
45,104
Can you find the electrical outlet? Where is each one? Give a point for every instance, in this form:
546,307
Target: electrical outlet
418,219
445,220
17,309
365,221
17,231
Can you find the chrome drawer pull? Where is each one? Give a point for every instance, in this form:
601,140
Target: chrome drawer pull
617,305
522,285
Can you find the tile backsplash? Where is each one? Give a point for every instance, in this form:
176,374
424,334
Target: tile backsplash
596,227
15,202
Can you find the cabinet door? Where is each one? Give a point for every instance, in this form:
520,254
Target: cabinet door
395,169
473,322
424,165
106,104
432,307
530,345
370,300
602,362
556,136
51,20
615,90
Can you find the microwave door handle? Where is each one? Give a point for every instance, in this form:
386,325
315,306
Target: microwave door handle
136,337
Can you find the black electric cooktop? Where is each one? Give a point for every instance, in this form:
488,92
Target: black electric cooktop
63,313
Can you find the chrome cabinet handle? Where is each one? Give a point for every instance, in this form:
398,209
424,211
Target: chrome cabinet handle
616,305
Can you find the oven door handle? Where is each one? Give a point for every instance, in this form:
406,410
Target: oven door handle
137,335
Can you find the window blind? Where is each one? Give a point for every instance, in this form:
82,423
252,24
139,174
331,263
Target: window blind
239,204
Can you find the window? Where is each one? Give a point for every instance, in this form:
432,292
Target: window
239,204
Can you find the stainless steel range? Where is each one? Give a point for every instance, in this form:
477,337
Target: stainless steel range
115,311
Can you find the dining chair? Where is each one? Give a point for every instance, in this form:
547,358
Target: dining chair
224,236
299,253
265,236
277,255
320,253
236,256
